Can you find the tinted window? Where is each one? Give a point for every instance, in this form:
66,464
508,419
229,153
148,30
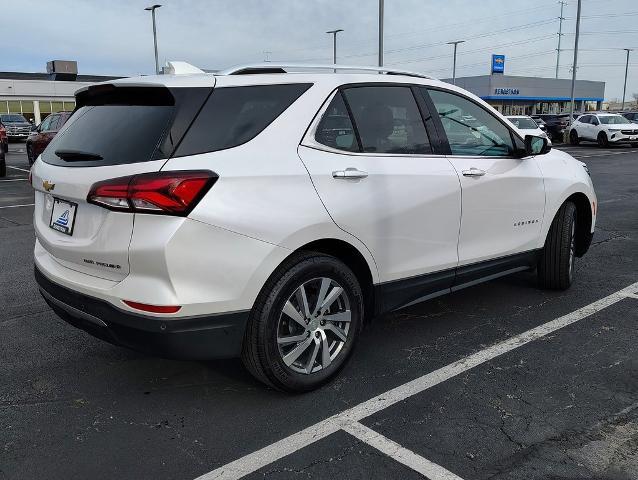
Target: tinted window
55,120
523,123
470,129
44,126
388,120
585,119
124,125
235,115
335,128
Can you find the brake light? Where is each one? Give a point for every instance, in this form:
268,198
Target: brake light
3,133
164,193
144,307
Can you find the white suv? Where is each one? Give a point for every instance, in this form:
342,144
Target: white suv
605,129
269,214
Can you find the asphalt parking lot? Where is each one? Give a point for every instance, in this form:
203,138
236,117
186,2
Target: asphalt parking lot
499,381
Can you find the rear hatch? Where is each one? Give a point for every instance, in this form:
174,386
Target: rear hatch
115,131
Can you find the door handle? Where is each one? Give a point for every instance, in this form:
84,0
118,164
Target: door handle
349,173
473,172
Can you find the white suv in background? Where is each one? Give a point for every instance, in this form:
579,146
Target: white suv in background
528,126
267,213
604,128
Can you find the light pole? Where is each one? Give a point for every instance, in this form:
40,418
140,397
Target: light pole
381,33
560,34
624,90
334,44
454,64
575,66
152,10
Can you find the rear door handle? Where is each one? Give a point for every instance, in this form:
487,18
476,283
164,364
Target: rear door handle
349,173
473,172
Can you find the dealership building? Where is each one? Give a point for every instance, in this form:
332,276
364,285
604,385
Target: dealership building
36,95
514,95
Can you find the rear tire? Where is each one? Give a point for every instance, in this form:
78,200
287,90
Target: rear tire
573,137
603,142
30,154
285,342
556,265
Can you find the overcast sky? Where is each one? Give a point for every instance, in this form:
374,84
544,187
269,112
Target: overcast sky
115,36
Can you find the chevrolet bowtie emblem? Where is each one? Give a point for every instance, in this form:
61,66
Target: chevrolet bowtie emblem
48,186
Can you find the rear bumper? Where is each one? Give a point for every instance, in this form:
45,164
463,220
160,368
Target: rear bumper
188,338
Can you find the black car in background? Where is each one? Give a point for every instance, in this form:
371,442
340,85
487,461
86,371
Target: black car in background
16,125
4,148
556,123
631,116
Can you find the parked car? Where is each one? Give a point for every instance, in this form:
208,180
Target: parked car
42,135
528,126
4,148
556,125
268,215
631,116
605,129
17,126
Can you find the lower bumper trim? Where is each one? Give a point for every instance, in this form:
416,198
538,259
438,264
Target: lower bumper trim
189,338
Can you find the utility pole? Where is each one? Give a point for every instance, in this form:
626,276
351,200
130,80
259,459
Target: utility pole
381,33
560,34
152,10
454,62
624,90
334,45
575,66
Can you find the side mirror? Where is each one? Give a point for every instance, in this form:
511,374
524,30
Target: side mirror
535,145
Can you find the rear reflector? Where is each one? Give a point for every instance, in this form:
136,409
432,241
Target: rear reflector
153,308
167,193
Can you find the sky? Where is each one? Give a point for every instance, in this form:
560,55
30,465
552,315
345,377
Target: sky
114,37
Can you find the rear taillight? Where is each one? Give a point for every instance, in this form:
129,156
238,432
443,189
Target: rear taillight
164,193
3,133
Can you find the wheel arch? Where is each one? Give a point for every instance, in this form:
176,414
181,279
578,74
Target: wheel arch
583,221
353,259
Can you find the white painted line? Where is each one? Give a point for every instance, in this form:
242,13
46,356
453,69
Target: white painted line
15,180
632,295
606,154
18,168
286,446
398,453
16,206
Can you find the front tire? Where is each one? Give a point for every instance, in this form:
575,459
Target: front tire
304,324
30,154
556,265
602,140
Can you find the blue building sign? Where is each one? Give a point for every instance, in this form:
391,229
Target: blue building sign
498,63
507,91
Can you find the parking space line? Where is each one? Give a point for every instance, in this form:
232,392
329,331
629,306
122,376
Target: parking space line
16,206
398,453
632,295
15,180
289,445
18,168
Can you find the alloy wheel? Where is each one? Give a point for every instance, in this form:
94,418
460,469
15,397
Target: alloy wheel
313,325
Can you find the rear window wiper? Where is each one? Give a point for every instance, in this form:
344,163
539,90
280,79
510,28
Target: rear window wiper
77,155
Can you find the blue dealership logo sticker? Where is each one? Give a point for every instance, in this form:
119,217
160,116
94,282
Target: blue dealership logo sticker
63,220
498,63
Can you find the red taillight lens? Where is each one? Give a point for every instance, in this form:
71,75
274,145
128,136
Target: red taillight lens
153,308
3,133
168,193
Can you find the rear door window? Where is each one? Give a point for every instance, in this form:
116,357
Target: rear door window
388,120
234,115
335,129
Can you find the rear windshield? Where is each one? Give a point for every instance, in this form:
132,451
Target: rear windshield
125,125
523,123
234,115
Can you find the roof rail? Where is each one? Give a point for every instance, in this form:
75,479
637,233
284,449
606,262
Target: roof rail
273,67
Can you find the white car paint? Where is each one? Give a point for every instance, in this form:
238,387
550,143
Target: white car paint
590,126
275,194
517,121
